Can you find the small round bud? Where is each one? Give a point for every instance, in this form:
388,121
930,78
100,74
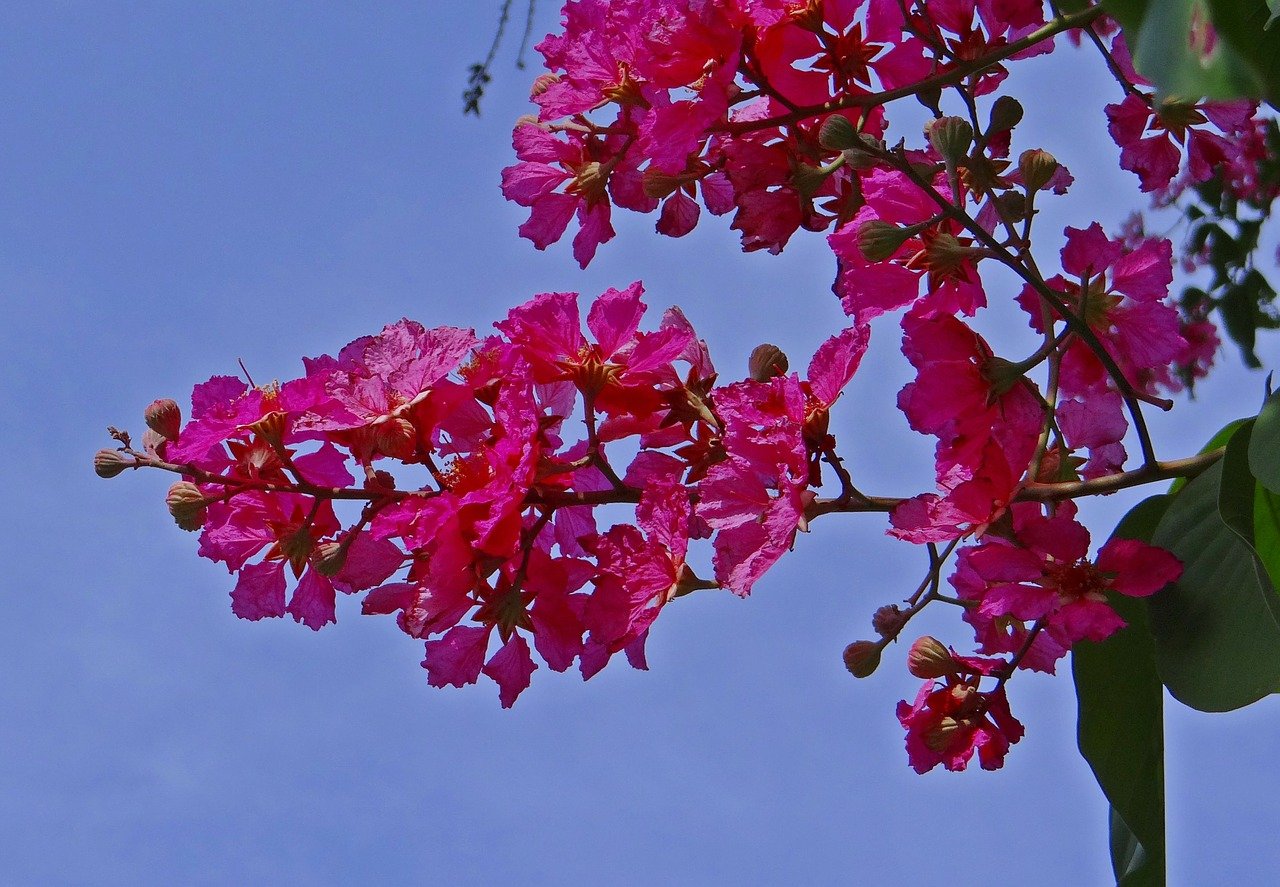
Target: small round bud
888,620
862,658
767,361
1037,167
186,505
837,133
1006,113
109,463
330,558
164,417
950,137
927,658
879,240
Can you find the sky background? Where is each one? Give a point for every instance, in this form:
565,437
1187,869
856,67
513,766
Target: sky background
182,185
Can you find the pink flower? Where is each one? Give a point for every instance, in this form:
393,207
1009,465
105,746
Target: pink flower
755,498
951,720
1120,293
1043,573
935,254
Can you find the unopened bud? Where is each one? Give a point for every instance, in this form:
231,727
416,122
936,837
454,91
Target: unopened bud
862,658
1037,167
1006,113
888,620
186,505
164,417
330,558
927,659
950,137
879,240
838,134
767,361
109,463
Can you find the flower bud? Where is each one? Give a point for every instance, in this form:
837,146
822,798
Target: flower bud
164,417
109,463
888,620
862,658
927,658
950,137
186,505
1037,167
837,133
767,361
1006,113
330,558
879,240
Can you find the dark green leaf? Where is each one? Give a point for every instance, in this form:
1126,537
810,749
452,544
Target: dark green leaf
1264,446
1120,727
1266,531
1217,629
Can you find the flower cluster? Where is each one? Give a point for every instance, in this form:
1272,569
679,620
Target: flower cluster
500,553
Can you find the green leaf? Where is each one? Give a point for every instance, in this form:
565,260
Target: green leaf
1264,447
1218,440
1217,629
1266,531
1171,46
1120,728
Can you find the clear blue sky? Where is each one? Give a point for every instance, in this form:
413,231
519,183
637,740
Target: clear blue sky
182,185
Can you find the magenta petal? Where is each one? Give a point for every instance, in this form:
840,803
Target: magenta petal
456,658
511,667
313,601
259,591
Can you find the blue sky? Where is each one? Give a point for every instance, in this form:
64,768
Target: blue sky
182,186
